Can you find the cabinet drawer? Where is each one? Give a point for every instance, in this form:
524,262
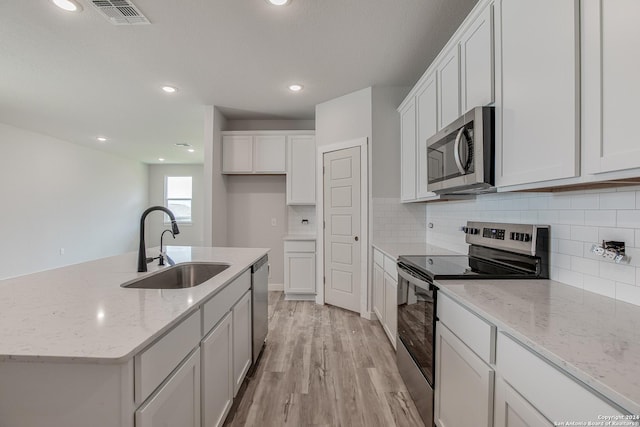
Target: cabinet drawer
154,364
534,378
378,257
475,332
390,267
215,309
300,246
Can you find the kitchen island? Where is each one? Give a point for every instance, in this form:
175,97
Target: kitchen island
77,349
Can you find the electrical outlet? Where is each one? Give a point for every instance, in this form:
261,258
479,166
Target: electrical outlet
274,222
61,251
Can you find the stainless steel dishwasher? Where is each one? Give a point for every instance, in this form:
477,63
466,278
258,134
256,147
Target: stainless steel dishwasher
259,302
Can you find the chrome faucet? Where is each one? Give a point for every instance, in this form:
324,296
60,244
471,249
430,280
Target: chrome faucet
142,251
163,253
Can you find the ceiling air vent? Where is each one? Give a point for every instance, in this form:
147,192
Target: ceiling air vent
120,12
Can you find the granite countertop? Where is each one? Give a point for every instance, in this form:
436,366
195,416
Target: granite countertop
592,337
299,237
80,313
394,250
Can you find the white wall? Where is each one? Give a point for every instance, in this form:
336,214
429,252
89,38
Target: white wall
253,200
215,184
270,125
344,118
59,195
190,234
577,220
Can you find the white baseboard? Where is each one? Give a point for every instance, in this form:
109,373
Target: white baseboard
299,297
276,286
369,315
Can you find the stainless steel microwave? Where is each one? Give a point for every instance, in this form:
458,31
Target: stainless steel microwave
460,158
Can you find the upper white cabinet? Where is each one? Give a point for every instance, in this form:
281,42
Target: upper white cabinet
246,153
610,84
269,153
537,99
301,170
427,119
476,62
408,151
448,71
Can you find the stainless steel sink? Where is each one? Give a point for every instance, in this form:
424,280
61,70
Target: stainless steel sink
186,275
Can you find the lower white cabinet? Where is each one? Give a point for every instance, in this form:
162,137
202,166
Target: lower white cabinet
217,373
299,269
391,307
241,340
177,402
385,293
513,410
378,292
463,384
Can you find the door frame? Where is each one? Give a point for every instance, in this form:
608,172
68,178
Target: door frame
364,218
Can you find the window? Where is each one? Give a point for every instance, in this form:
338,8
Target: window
178,194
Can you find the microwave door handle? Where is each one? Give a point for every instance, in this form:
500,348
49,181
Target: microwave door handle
456,152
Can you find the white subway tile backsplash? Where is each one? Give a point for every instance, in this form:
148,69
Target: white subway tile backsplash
618,200
577,220
629,218
395,222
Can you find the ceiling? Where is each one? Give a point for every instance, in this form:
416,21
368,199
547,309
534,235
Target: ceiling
75,76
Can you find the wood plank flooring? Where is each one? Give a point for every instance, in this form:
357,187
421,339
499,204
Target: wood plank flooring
323,366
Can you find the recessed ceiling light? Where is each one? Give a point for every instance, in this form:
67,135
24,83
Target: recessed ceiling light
161,159
101,138
68,5
279,2
191,150
169,89
295,88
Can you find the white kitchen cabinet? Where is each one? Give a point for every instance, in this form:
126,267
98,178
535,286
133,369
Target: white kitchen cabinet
427,118
512,410
269,154
408,150
177,402
448,71
476,62
237,154
301,170
610,85
299,269
241,326
463,383
378,292
217,373
391,307
537,98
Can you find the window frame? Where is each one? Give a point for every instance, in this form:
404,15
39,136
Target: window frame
166,199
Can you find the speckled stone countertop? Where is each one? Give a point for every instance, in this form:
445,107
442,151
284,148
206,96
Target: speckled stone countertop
80,313
394,250
594,338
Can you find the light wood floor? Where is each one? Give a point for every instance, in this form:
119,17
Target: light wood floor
323,366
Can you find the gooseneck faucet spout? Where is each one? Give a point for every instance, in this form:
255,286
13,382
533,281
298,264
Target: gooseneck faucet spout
142,251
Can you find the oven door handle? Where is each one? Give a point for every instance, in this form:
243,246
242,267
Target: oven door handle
426,286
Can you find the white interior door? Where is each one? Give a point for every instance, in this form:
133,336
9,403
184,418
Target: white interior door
342,236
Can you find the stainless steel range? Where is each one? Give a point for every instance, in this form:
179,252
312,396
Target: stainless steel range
496,251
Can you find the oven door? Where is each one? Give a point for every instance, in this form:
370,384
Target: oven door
456,155
416,321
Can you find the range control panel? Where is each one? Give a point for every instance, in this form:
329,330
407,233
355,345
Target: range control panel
521,238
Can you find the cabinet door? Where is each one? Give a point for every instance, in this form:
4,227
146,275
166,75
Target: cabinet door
408,152
241,340
217,373
476,62
537,110
449,88
610,85
269,154
301,170
463,383
512,410
237,154
427,116
391,308
177,401
300,273
378,292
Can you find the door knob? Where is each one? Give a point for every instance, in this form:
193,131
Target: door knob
356,238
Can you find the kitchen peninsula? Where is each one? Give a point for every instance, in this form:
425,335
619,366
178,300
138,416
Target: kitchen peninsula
78,349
